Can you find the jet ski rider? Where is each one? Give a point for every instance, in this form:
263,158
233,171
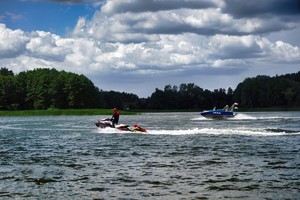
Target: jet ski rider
115,117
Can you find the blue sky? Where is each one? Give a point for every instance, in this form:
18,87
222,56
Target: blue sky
55,17
136,46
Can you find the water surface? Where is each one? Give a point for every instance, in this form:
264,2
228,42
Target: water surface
183,156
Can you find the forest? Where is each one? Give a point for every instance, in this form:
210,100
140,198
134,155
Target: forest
52,89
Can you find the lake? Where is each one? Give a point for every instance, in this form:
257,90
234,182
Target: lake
183,156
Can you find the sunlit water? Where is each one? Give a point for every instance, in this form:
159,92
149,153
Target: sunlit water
183,156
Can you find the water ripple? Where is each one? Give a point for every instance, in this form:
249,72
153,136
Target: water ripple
42,159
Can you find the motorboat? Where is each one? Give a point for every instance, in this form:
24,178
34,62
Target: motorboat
224,113
217,114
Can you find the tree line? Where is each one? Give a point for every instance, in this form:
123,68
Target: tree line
49,88
265,91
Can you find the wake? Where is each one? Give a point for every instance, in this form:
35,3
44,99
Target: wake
209,131
243,116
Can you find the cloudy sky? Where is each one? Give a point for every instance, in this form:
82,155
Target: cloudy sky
136,46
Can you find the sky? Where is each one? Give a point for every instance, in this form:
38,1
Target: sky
136,46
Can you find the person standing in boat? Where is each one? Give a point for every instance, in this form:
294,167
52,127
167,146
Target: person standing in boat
115,117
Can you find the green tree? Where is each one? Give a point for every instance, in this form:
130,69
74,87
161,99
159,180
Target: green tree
6,72
8,93
265,91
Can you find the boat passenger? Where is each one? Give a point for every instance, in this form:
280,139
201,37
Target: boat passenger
138,128
232,107
226,108
115,117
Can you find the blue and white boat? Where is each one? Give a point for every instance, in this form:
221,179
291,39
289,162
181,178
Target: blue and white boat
224,113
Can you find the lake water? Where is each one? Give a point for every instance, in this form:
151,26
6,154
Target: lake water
183,156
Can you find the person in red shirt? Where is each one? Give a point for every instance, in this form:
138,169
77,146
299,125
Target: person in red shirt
138,128
115,117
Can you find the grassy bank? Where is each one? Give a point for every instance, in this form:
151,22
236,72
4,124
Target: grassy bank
58,112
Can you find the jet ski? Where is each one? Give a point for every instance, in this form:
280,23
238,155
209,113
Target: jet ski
103,123
224,113
107,123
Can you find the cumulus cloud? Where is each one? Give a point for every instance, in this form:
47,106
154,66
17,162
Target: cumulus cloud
140,40
136,6
230,47
258,8
12,42
138,21
287,52
48,46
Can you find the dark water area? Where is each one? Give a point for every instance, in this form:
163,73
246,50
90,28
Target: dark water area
183,156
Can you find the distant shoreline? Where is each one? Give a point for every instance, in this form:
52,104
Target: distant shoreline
269,109
81,112
62,112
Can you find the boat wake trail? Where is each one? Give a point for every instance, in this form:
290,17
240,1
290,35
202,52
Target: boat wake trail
243,124
242,116
214,131
211,131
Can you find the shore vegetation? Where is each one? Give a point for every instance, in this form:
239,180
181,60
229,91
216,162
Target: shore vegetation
53,92
60,112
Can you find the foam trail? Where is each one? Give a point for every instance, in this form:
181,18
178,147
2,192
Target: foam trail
208,131
111,130
213,131
200,118
242,116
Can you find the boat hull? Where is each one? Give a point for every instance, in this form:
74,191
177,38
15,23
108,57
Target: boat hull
218,114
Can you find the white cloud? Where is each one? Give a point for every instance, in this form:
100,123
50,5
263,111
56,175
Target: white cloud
180,52
48,46
138,40
226,46
130,27
287,52
136,6
79,29
230,63
12,42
